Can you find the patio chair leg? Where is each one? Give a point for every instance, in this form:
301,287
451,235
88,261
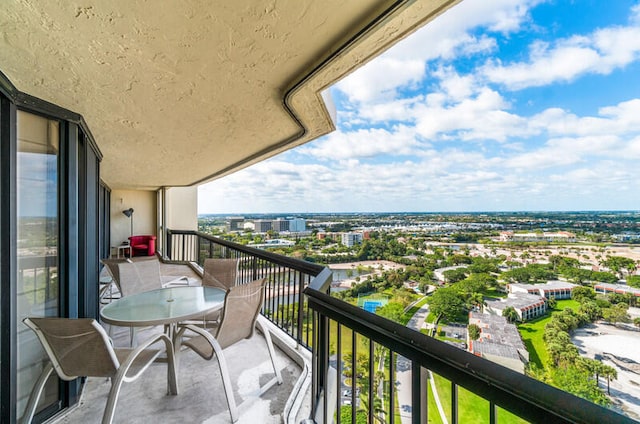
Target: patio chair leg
272,354
226,381
132,337
34,397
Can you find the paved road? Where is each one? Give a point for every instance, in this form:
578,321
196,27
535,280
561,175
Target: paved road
403,369
403,374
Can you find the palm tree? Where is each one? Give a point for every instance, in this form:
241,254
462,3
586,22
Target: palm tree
510,314
378,412
475,299
609,373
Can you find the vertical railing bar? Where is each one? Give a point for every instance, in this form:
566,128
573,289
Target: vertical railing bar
183,245
493,413
269,276
325,365
416,390
314,366
392,387
280,300
290,305
338,368
454,403
354,371
300,315
424,393
274,290
283,299
371,380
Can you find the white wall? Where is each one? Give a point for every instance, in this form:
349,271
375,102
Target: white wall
182,208
144,215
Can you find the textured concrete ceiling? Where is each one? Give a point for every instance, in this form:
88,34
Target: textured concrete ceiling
178,92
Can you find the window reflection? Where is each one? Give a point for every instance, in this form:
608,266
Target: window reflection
37,242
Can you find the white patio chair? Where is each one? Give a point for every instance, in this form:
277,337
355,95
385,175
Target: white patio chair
81,348
239,316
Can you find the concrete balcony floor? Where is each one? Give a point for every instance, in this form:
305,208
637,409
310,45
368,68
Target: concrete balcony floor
201,397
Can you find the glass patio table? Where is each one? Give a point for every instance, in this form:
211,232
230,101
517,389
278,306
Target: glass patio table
167,306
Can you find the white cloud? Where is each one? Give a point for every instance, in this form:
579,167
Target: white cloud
619,119
478,118
380,79
445,37
401,140
599,53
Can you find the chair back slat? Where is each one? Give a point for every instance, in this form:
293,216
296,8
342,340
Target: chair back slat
112,267
221,273
78,347
241,308
139,276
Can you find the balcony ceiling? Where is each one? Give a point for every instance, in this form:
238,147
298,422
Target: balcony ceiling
180,92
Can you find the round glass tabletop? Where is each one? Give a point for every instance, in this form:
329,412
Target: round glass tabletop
163,306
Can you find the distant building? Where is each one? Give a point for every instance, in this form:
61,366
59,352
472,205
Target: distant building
499,342
351,239
297,225
606,288
262,225
556,289
273,243
559,236
280,225
527,306
235,223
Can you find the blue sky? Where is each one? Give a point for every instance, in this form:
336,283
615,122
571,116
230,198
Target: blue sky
502,105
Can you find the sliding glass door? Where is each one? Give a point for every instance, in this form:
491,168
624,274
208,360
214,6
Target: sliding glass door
37,242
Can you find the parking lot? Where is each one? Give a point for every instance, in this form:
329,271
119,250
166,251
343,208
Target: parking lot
455,331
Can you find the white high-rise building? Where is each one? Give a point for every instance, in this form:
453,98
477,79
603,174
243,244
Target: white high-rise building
350,239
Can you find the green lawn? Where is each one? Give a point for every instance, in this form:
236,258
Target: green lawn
532,332
494,293
432,408
471,408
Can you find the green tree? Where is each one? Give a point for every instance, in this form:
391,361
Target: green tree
583,294
474,331
616,313
552,302
345,415
620,264
447,303
609,373
392,311
591,310
633,281
454,275
510,314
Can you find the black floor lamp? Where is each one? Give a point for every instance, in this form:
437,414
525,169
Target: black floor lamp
129,214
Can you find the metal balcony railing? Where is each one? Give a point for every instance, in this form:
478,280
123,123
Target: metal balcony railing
357,356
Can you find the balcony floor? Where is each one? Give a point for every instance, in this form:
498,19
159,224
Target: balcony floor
201,397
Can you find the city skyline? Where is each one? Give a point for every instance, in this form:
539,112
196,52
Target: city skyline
507,106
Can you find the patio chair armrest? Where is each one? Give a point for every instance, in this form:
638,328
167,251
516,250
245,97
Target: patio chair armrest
124,367
178,282
198,330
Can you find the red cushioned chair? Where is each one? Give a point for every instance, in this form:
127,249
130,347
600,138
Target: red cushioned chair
142,245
